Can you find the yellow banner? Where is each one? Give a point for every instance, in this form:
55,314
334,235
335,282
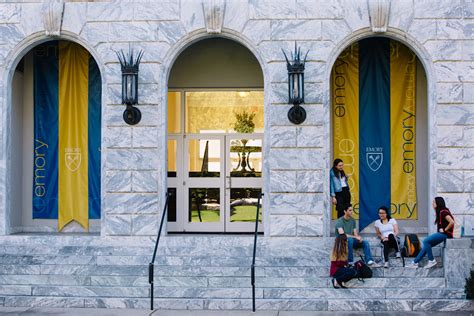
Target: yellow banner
402,131
73,135
345,116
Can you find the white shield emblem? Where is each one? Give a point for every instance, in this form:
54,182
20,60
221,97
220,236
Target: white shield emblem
374,161
73,161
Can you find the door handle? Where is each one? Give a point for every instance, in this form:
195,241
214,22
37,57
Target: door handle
229,182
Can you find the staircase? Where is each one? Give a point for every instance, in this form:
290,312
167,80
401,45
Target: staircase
207,272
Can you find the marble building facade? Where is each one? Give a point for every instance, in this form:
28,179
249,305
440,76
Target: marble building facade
297,157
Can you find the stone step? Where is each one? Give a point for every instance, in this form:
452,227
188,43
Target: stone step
174,246
246,304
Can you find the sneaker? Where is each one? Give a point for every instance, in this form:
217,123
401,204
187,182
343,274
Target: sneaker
398,255
370,262
412,265
386,265
430,264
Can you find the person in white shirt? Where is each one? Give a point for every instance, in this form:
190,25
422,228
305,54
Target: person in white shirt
387,230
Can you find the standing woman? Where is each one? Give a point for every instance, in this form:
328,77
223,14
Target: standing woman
340,194
387,230
340,270
445,226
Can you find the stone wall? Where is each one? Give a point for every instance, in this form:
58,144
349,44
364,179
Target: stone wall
297,157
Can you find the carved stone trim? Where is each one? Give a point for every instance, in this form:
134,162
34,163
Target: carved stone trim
53,11
213,15
379,12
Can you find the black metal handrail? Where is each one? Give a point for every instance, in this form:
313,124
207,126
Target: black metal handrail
252,268
151,269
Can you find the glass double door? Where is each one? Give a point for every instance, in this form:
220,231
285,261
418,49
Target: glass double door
215,180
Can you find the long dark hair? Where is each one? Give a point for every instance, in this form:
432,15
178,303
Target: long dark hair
340,250
440,205
336,171
389,216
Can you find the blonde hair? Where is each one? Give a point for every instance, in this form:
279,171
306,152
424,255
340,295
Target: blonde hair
340,249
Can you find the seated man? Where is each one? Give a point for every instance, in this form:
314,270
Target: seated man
347,225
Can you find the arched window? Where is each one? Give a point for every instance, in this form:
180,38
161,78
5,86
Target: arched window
56,119
215,138
379,130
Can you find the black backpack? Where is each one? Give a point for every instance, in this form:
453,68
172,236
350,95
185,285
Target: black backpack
363,270
411,246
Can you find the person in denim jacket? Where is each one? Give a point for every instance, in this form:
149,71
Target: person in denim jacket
340,194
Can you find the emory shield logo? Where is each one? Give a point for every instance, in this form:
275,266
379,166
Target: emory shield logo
73,158
374,161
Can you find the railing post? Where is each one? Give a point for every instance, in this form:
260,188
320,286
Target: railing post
151,270
252,268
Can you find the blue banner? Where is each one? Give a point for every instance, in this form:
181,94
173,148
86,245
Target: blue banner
45,151
374,128
94,139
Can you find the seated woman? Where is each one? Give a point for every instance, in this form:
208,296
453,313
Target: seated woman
387,230
340,270
445,227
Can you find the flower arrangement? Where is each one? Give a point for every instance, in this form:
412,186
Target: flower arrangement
244,122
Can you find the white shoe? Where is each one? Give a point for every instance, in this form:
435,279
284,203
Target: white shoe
430,264
370,262
386,265
398,255
412,265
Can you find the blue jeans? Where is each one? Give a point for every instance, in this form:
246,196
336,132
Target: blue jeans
345,274
428,243
354,243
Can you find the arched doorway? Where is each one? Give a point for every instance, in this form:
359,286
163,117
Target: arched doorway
55,140
215,138
380,130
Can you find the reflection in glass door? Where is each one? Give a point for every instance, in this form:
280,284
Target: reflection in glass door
244,181
215,172
203,183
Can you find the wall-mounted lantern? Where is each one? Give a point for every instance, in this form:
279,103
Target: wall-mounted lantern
296,114
130,63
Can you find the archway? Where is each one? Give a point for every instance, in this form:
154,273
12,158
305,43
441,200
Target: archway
215,137
379,107
55,140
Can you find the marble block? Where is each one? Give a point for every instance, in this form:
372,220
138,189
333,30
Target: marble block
282,181
282,225
283,136
271,9
309,225
310,181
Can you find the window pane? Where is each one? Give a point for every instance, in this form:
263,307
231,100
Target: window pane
204,158
204,205
172,148
245,158
172,205
217,111
243,205
174,112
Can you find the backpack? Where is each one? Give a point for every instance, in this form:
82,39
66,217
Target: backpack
411,246
363,270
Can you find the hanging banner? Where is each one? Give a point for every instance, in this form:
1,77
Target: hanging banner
45,149
67,125
374,128
403,128
374,117
345,115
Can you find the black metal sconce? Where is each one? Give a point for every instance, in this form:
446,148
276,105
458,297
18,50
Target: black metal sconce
296,114
129,64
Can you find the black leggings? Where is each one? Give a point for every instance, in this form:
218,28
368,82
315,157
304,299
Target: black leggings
345,274
390,243
343,199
